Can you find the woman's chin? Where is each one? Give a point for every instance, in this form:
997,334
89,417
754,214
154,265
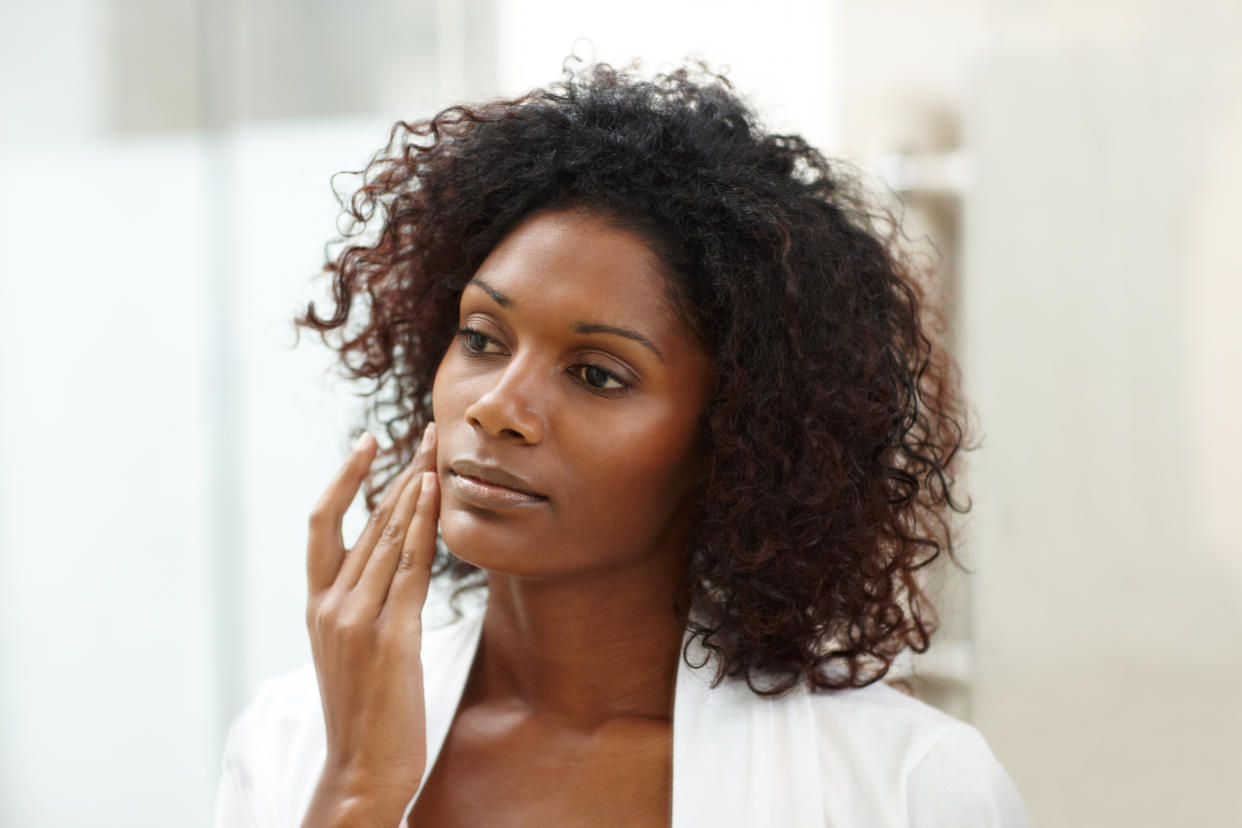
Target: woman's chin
495,548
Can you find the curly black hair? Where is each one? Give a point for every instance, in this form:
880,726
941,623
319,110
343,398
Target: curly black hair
836,416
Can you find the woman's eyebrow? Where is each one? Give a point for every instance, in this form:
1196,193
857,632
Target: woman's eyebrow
500,298
579,327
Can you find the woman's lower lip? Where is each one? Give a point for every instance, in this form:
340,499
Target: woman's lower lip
489,495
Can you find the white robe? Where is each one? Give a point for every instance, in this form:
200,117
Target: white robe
868,757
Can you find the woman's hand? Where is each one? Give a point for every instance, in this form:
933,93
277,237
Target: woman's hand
364,616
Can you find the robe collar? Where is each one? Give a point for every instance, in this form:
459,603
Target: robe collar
738,758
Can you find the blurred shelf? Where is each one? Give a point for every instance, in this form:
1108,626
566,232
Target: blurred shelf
942,174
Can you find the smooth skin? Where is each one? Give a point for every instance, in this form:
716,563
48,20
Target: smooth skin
566,715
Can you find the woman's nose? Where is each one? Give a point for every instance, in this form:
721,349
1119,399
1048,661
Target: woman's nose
508,408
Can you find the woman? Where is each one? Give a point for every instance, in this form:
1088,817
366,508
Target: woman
678,410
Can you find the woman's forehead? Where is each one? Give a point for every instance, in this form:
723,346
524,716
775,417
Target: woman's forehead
579,260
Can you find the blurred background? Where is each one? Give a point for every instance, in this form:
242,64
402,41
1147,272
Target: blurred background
166,169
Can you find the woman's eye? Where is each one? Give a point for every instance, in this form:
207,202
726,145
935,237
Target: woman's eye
475,342
597,377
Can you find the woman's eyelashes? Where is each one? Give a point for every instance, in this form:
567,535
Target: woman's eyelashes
596,377
474,341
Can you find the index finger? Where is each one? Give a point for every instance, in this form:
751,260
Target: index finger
325,546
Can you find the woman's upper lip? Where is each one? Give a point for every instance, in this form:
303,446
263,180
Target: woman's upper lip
494,475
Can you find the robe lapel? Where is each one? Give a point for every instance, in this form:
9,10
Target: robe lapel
738,758
446,666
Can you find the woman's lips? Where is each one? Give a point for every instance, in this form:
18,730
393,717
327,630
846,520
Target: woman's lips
490,495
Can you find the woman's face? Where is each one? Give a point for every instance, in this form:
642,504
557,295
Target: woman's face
575,381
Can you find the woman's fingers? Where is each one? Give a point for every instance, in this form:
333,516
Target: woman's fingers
356,559
370,674
408,589
372,586
325,547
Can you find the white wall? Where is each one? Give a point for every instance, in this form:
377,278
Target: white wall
783,55
1103,349
105,599
71,72
163,443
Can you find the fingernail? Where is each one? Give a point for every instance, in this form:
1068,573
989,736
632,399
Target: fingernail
429,433
363,439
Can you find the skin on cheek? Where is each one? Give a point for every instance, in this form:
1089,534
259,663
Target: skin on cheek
619,489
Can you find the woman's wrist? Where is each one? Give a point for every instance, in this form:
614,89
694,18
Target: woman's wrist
344,799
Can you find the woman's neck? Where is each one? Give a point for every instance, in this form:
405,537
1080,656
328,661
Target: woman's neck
584,650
